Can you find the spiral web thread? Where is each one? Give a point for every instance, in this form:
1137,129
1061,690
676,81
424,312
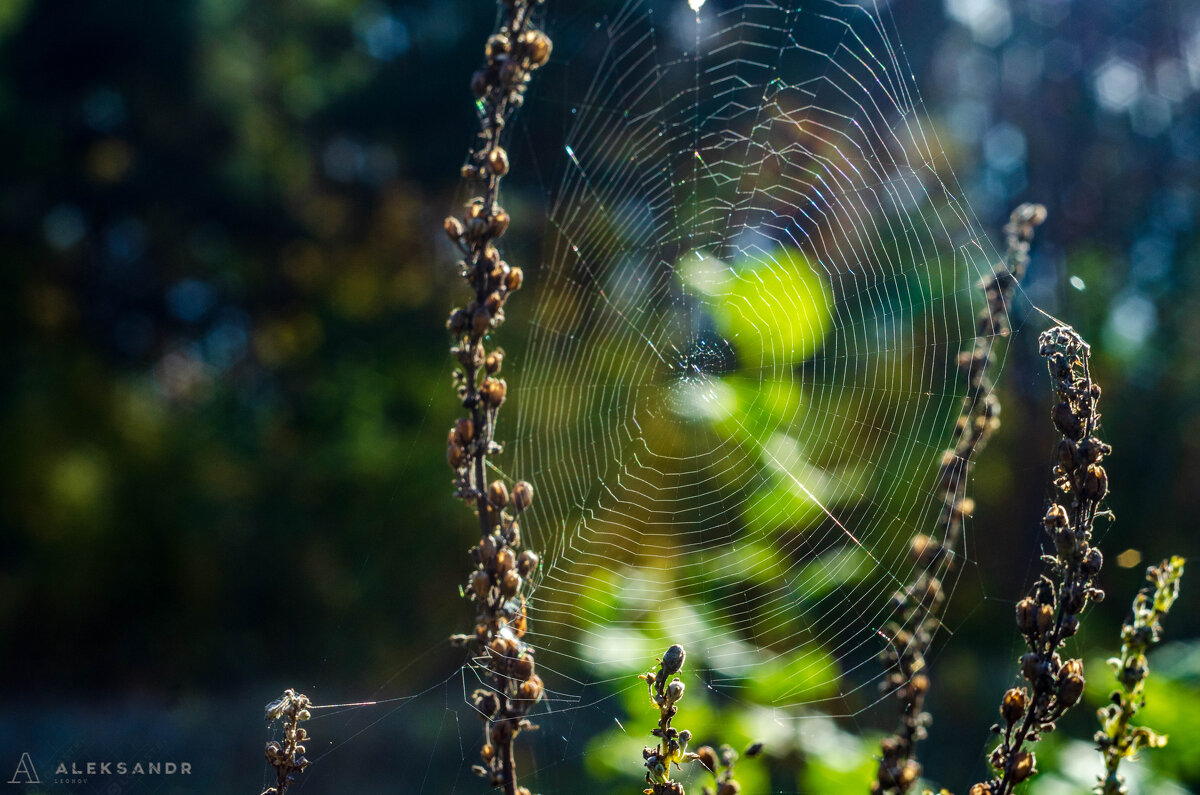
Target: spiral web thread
740,368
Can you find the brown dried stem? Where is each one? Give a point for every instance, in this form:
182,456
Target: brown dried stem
666,689
499,577
287,757
919,604
1118,739
1050,613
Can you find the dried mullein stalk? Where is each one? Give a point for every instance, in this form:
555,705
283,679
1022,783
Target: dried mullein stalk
499,578
1119,739
1049,615
919,604
286,756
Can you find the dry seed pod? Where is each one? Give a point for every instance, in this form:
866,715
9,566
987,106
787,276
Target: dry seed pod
505,561
1013,706
464,430
510,72
522,495
923,549
1045,618
531,689
493,362
458,321
514,279
527,562
498,494
502,732
498,161
1056,516
481,320
502,647
1070,625
672,660
522,667
1066,421
1030,664
498,44
476,227
486,702
1070,688
510,584
1095,484
537,47
1027,613
500,221
1024,765
487,549
453,227
494,391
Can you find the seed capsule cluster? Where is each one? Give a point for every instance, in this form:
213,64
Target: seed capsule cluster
1049,615
919,604
496,584
287,756
1118,739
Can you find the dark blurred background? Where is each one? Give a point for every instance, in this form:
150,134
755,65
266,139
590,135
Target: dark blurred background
226,381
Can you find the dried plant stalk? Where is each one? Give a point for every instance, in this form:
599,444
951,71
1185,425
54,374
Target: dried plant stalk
1050,613
919,604
666,689
1119,739
499,578
287,756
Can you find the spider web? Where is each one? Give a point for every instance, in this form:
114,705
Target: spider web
739,373
738,379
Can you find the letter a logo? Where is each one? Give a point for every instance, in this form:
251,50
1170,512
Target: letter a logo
25,773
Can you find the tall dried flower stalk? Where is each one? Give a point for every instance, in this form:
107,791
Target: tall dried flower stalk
1050,613
286,756
499,575
1118,739
919,604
